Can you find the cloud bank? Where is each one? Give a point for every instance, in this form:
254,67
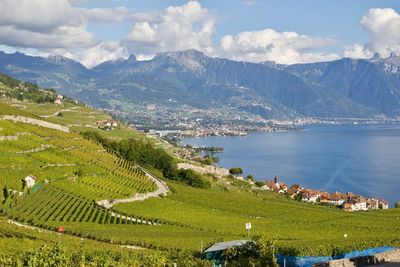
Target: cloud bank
383,26
58,26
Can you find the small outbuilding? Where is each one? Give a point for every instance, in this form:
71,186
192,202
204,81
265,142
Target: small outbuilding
214,253
30,181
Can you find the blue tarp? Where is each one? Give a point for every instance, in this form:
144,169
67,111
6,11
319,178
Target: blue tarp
308,261
37,187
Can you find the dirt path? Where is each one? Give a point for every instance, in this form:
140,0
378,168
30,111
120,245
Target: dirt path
162,189
40,230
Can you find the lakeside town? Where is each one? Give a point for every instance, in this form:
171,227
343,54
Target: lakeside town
346,201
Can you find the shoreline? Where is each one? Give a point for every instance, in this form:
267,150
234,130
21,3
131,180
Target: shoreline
337,186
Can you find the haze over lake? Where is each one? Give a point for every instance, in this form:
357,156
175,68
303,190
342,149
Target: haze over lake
363,159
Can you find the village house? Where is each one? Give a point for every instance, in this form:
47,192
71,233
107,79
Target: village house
294,190
337,199
355,205
373,204
276,186
107,124
324,197
310,196
30,181
58,100
383,204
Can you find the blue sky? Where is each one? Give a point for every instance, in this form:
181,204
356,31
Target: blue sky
285,31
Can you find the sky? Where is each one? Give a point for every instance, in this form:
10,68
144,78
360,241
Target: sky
284,31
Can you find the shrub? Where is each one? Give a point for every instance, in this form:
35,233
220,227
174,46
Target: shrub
236,171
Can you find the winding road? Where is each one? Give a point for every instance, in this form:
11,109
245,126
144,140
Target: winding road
162,190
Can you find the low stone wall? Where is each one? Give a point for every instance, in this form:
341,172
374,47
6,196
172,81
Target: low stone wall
9,138
36,122
204,169
363,261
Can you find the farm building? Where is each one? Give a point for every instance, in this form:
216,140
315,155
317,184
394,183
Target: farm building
107,124
214,253
30,181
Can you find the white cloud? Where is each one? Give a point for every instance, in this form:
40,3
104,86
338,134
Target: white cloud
56,26
175,28
383,26
37,15
43,24
270,45
95,55
102,15
357,51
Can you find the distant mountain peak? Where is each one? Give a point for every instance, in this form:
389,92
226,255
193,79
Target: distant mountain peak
59,60
191,59
393,55
131,58
376,56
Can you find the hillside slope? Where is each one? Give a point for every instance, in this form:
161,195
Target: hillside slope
72,172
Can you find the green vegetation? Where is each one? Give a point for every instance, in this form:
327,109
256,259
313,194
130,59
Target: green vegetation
146,154
254,253
397,205
14,89
74,172
29,247
236,171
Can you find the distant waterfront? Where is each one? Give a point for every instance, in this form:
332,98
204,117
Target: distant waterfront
363,159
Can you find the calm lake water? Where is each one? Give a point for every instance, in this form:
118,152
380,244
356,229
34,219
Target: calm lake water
364,159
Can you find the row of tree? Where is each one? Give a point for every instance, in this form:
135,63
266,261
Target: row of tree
144,153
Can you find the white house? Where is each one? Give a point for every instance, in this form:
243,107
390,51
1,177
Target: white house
383,204
30,181
360,205
310,196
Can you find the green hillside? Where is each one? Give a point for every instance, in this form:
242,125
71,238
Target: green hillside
73,173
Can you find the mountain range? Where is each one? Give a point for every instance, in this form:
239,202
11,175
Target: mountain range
344,88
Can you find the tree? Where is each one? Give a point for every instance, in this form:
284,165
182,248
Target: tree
254,253
397,205
5,193
236,171
260,183
250,177
299,196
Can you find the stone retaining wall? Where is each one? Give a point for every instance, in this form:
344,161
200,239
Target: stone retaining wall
204,169
36,122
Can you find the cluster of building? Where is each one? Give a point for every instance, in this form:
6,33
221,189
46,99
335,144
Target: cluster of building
347,201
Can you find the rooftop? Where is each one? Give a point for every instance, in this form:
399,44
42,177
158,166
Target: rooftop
225,245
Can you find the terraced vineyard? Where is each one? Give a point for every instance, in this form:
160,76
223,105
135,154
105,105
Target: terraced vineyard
49,204
67,161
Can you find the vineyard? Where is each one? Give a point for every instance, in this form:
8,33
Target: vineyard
50,204
73,173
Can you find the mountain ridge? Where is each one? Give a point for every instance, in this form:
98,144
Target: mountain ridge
360,88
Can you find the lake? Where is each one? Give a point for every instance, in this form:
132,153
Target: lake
363,159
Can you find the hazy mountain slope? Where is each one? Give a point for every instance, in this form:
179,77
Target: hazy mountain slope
373,83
